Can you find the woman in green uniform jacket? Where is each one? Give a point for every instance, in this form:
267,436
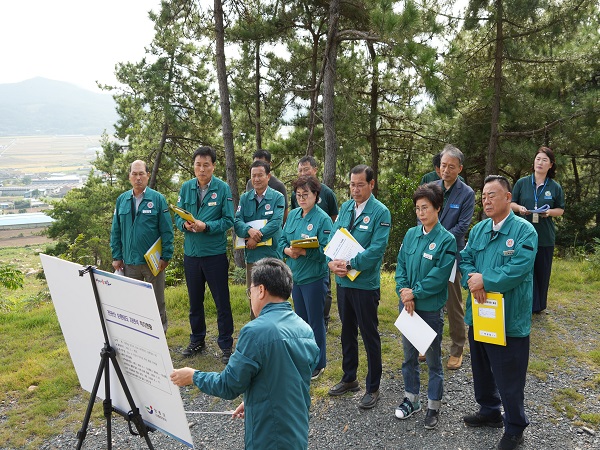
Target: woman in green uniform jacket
425,262
532,192
308,265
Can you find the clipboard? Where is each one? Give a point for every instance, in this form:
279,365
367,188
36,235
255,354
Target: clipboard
488,319
311,242
185,215
152,256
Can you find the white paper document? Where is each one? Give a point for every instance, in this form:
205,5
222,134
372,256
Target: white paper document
343,246
416,330
453,273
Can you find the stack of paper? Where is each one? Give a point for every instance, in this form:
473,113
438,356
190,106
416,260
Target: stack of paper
345,247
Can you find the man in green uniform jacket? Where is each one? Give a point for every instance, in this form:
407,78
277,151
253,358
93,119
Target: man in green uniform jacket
261,203
141,217
368,220
205,261
275,356
499,257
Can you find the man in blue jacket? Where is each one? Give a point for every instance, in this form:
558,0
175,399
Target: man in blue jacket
272,365
455,216
499,258
368,220
209,200
141,217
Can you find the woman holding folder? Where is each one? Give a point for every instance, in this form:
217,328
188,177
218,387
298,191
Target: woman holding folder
425,262
304,256
530,193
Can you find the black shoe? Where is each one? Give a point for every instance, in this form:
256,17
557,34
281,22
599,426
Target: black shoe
226,355
343,387
510,441
193,348
479,420
317,373
431,418
369,400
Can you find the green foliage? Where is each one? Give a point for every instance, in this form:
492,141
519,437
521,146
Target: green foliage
397,196
11,277
82,223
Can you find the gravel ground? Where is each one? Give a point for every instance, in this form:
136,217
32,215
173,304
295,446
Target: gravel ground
338,423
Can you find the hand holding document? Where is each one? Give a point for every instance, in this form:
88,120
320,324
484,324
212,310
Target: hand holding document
185,215
345,247
416,330
256,224
488,319
540,210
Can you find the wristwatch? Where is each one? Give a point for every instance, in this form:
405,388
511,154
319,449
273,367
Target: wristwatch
348,266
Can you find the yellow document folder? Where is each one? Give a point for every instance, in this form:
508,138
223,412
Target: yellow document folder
185,215
488,319
240,242
311,242
152,256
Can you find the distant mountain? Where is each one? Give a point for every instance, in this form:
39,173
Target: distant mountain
40,106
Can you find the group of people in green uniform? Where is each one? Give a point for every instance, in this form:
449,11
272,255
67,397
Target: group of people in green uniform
284,255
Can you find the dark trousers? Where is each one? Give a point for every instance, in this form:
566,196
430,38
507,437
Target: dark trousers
499,379
214,271
542,267
328,297
358,310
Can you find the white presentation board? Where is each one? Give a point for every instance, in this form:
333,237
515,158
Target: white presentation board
135,332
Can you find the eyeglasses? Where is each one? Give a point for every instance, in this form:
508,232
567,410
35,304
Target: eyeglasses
302,196
248,291
424,209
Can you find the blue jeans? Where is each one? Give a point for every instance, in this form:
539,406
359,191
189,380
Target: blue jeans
309,301
410,366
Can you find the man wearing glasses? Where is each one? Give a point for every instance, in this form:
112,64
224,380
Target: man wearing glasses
276,346
368,220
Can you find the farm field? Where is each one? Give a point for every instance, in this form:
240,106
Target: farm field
20,155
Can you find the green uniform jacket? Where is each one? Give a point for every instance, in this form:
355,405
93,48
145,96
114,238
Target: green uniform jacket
551,194
424,265
271,208
506,263
313,266
130,239
327,201
372,230
216,210
272,365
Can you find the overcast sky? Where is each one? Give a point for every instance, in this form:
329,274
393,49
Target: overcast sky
78,41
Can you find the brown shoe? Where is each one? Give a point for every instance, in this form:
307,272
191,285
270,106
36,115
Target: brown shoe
422,358
454,362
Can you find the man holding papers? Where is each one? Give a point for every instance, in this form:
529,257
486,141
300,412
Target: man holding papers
141,217
265,205
499,257
209,200
368,221
425,261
